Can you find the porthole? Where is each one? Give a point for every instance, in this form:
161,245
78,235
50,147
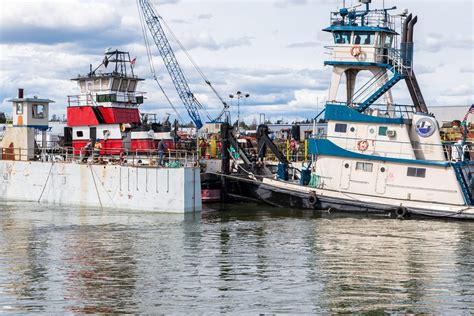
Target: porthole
346,165
382,169
372,131
353,129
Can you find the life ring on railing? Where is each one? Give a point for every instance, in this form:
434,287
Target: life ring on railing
356,51
363,145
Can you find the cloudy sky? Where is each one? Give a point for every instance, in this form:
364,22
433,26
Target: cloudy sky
271,49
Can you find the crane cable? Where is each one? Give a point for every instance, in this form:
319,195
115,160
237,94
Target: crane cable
152,67
195,65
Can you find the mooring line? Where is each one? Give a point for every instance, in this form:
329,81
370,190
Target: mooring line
47,179
105,189
96,189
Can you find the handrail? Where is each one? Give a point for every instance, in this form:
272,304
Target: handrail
73,155
88,99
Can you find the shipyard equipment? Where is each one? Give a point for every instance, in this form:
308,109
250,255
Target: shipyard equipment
149,17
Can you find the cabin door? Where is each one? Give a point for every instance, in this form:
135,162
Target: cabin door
380,183
93,134
345,175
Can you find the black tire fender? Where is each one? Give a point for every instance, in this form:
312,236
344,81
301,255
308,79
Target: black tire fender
401,212
312,200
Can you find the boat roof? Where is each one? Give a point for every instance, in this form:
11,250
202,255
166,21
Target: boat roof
336,28
30,100
107,75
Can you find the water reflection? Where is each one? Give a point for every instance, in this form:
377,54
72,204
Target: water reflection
241,258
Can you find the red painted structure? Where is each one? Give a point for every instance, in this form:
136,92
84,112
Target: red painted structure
85,115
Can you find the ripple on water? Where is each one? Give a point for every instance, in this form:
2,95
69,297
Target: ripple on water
242,259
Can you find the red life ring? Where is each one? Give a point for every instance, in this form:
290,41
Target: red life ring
356,51
362,145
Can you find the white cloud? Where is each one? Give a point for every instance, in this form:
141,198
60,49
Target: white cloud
286,3
270,49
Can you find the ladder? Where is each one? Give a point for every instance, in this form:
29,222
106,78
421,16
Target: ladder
463,184
415,92
381,91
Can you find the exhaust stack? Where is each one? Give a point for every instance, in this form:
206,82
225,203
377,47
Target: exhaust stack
405,28
411,26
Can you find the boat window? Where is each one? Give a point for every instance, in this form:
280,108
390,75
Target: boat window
132,86
416,172
340,128
388,40
115,84
364,166
82,85
364,38
123,85
38,111
97,84
80,134
383,130
342,37
105,83
19,108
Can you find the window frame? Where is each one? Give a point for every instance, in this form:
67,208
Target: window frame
115,84
343,35
340,125
364,166
35,111
19,108
363,37
416,172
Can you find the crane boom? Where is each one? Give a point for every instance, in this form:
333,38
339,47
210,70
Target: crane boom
177,76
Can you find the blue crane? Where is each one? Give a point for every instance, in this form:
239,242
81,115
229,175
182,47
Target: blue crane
152,20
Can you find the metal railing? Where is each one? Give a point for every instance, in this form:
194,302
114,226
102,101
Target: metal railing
122,156
404,111
377,18
128,99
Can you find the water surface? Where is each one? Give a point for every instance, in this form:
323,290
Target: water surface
242,258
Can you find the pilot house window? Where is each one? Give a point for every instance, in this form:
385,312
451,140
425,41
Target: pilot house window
39,111
342,37
364,38
416,172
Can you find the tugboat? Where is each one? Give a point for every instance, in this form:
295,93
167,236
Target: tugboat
113,160
107,111
376,157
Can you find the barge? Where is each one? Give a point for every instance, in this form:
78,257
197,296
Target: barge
111,156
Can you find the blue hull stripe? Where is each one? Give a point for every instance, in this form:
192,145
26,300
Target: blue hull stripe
324,147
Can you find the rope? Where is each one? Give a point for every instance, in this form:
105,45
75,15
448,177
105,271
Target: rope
195,65
151,63
102,184
96,189
47,179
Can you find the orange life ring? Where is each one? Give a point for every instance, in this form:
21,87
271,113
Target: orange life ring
362,145
356,51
